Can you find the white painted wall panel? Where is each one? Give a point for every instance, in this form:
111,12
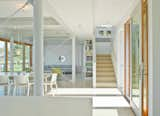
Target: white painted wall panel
103,48
118,56
45,106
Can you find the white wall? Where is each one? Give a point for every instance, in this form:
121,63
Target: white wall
55,48
154,58
118,56
103,48
150,59
53,51
45,106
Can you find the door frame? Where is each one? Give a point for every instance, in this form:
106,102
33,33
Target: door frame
144,10
127,39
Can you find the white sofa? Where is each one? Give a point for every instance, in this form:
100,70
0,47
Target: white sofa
45,106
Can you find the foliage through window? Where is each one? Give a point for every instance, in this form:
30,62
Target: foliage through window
21,56
2,56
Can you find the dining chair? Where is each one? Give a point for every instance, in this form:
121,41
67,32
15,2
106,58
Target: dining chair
54,80
4,81
50,82
21,81
31,82
31,78
47,78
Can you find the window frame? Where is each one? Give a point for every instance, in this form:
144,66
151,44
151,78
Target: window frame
19,43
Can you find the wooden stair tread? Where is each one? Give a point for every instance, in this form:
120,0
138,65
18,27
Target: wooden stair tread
106,85
104,79
105,72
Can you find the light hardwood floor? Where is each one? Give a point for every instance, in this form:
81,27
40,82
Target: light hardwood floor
113,112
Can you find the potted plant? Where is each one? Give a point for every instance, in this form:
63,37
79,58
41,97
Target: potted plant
58,71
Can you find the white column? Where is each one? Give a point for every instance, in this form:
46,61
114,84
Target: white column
94,62
38,47
11,55
73,59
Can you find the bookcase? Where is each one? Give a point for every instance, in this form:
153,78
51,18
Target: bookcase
88,58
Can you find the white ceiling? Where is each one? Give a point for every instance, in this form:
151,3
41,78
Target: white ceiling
81,16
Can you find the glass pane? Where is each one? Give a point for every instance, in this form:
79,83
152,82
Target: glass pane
2,56
136,59
9,58
18,57
27,58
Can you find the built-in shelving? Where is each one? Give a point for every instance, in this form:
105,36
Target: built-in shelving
88,59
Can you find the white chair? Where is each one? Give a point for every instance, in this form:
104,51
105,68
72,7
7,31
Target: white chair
54,80
50,82
4,81
31,78
21,81
31,81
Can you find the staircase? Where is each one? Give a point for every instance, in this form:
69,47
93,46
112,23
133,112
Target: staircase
105,77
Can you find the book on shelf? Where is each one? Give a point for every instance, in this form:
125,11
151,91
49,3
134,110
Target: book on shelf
89,58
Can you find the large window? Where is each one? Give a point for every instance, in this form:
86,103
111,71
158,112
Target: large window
9,57
27,57
18,57
21,56
2,56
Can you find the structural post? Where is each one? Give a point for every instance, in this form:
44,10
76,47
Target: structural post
38,47
73,59
94,62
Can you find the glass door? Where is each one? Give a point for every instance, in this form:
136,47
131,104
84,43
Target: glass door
136,60
135,64
139,39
